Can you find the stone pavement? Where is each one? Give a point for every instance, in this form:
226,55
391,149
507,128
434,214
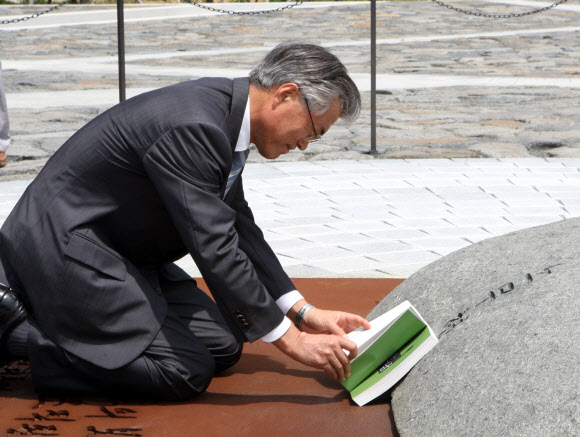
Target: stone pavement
388,218
450,86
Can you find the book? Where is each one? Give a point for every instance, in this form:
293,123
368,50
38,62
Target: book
396,341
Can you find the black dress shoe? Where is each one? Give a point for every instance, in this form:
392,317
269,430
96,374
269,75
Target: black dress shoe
11,314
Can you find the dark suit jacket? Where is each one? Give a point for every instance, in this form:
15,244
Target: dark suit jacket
135,189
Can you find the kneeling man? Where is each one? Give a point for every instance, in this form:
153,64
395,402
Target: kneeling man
90,293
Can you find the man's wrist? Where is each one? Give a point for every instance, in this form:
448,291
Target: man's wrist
287,343
295,308
300,315
288,300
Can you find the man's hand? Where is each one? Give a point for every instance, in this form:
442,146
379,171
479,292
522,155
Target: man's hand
322,342
320,351
319,321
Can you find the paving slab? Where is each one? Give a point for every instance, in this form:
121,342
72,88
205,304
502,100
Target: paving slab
421,213
439,243
531,221
502,229
396,234
318,253
373,247
376,199
352,266
459,231
411,256
418,223
361,226
305,270
323,218
340,238
459,210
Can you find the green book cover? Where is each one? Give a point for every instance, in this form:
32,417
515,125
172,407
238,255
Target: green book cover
390,341
391,364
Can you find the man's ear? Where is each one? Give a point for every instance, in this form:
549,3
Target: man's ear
286,91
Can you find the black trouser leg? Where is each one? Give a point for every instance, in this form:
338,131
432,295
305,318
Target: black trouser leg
203,317
194,342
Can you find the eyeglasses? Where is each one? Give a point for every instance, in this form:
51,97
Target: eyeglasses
315,137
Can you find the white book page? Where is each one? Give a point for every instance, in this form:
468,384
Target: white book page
365,337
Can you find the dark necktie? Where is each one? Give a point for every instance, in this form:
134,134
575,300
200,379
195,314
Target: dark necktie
237,166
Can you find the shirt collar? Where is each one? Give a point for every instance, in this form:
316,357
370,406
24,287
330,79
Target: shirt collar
244,137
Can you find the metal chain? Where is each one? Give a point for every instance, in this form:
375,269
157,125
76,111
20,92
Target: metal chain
299,2
38,14
224,11
479,14
210,8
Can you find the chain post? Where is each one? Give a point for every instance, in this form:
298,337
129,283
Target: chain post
373,77
121,49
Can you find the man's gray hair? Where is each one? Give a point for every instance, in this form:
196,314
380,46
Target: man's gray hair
319,74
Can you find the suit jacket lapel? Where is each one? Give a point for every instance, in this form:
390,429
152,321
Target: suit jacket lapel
233,123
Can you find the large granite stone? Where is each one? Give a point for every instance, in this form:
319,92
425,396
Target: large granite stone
507,314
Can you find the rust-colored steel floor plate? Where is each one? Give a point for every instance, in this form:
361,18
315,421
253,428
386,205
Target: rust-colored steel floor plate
265,394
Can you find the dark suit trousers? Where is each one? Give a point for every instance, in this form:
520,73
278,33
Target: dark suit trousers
194,342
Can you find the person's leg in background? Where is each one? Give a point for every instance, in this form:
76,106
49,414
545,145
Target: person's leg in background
4,125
